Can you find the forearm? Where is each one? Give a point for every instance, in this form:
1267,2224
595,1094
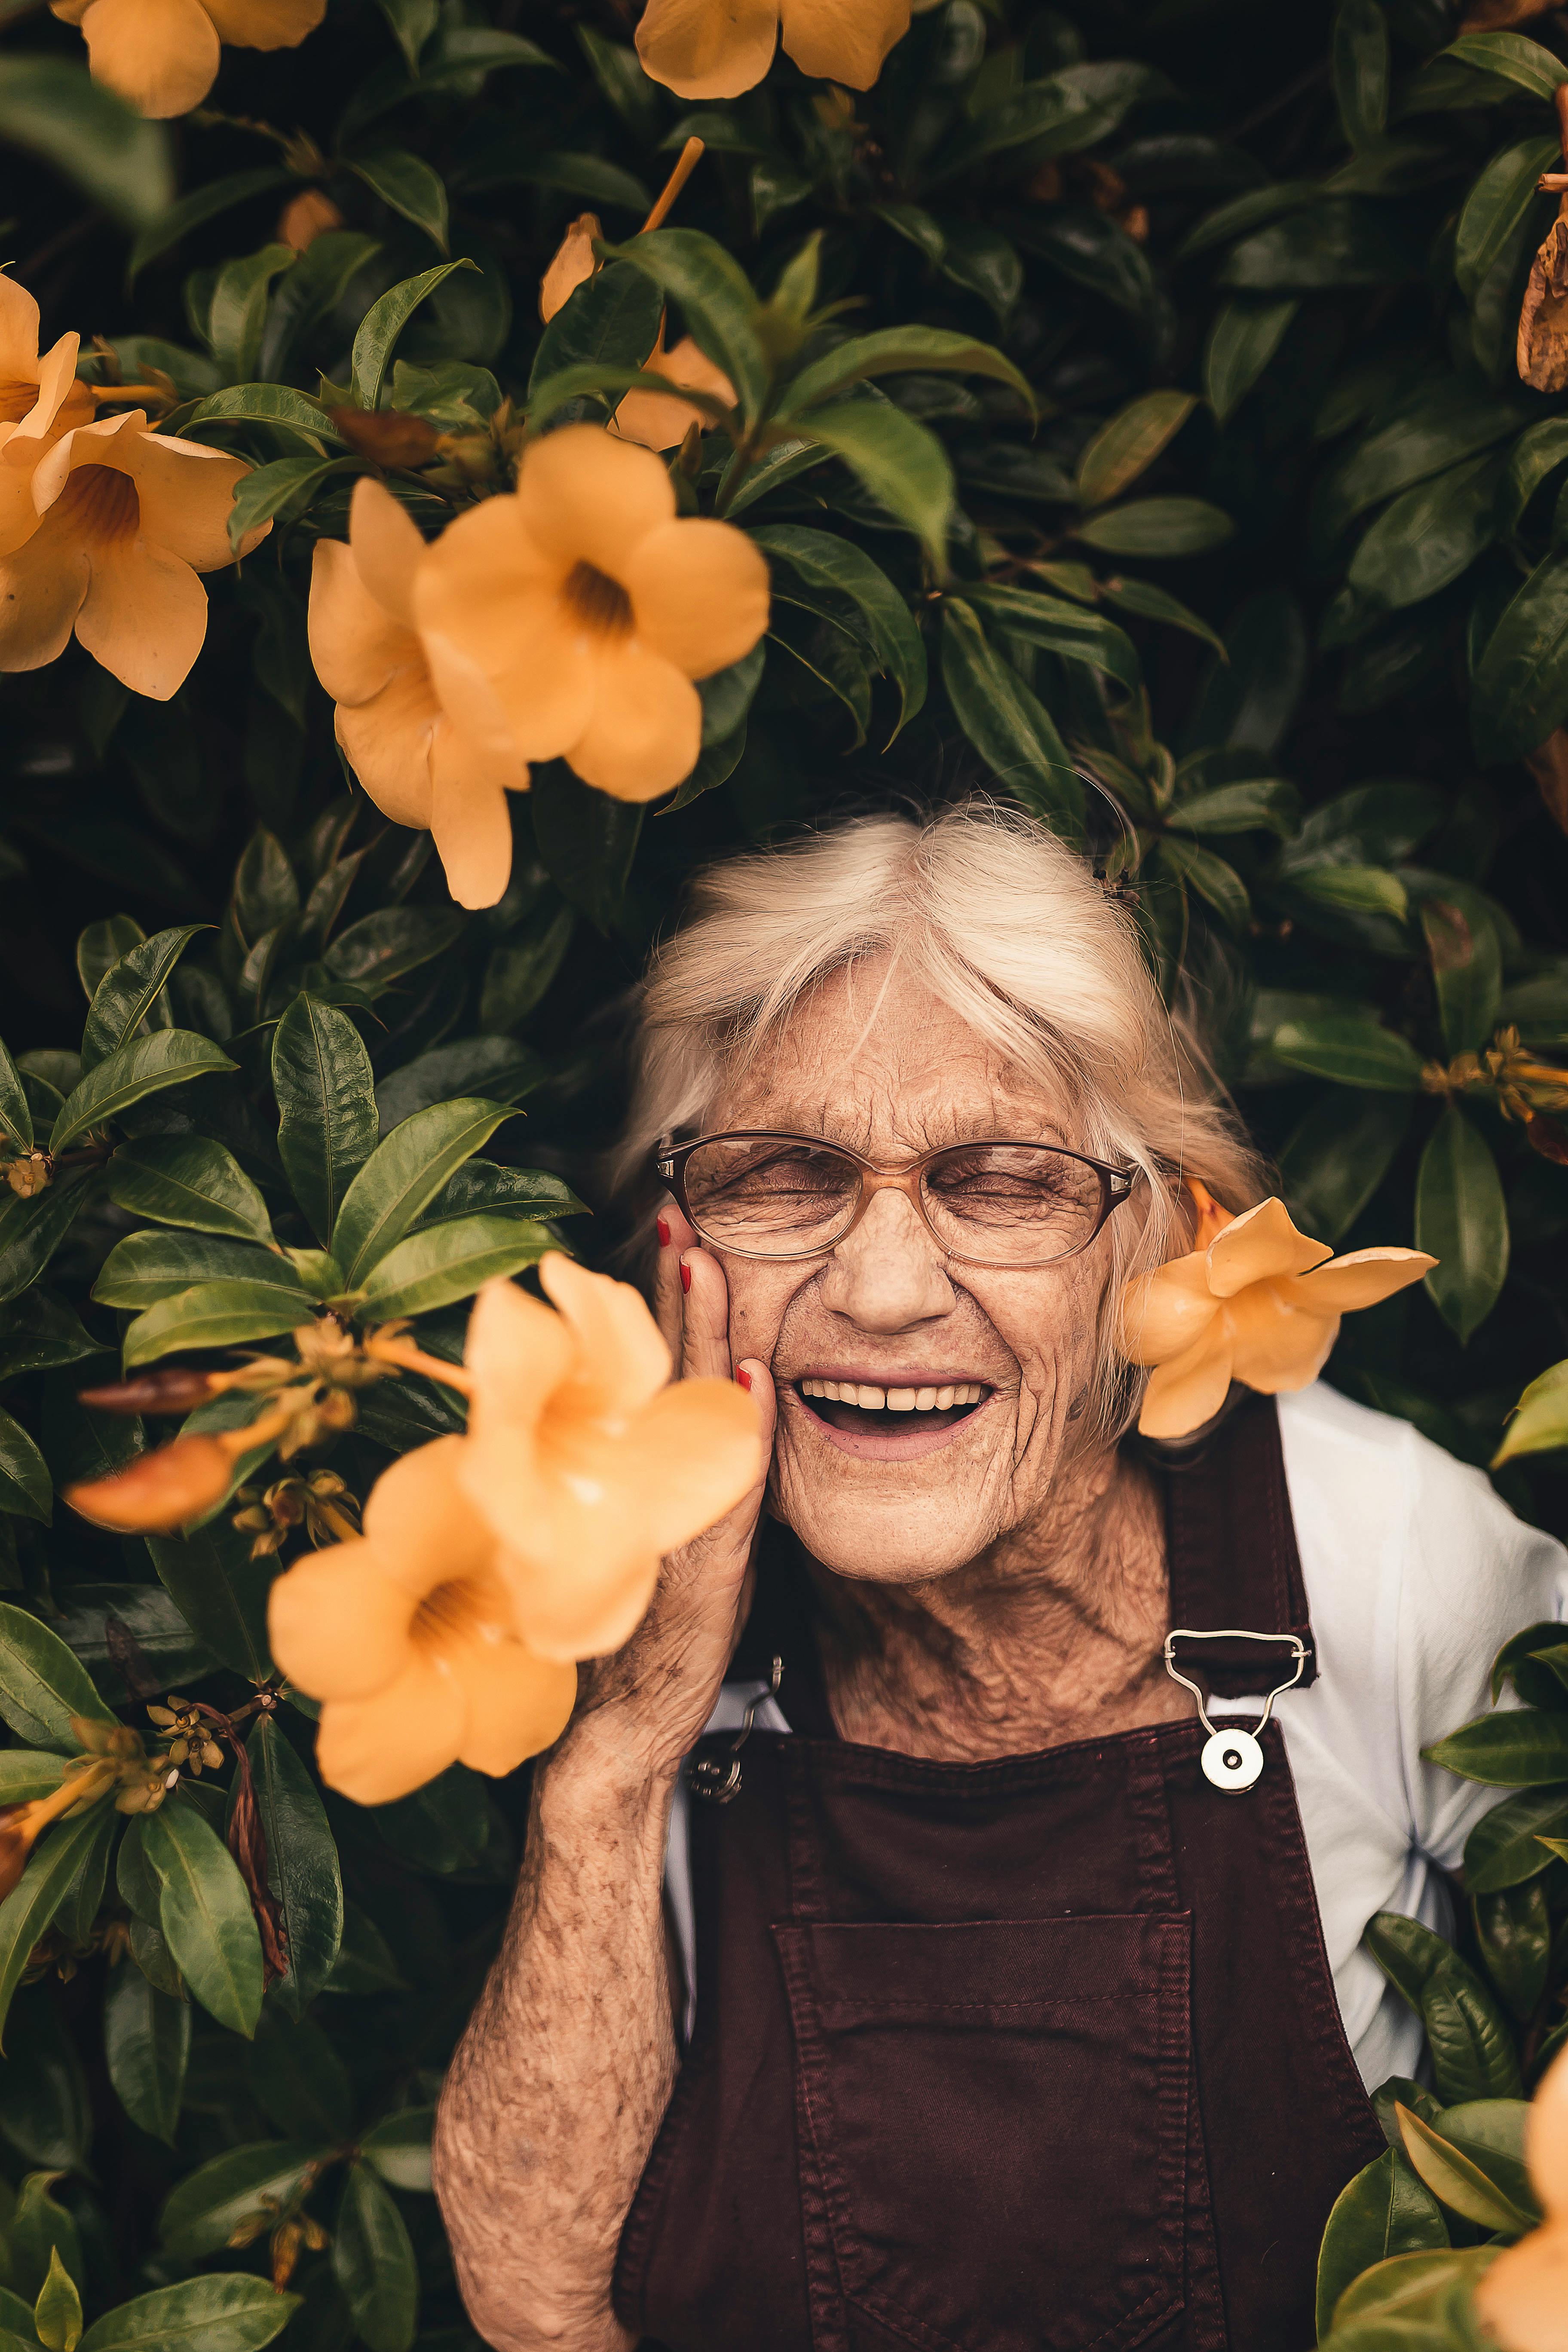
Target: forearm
559,2084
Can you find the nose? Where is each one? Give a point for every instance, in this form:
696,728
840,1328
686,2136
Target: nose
887,1275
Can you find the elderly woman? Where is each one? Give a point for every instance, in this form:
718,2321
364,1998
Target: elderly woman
973,1999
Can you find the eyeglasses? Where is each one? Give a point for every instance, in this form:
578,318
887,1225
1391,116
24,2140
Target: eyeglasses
753,1193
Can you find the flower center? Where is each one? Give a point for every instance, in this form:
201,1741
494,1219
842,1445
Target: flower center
100,503
600,604
17,397
448,1613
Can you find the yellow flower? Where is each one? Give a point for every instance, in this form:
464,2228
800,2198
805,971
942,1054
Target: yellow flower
1523,2301
127,520
585,1462
1256,1304
162,56
420,765
575,262
21,1826
658,419
578,610
717,49
410,1638
40,400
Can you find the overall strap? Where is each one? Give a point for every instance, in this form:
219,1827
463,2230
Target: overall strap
1231,1549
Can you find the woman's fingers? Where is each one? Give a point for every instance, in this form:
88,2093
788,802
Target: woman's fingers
669,1302
705,1317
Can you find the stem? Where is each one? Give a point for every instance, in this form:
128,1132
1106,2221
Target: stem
413,1358
686,164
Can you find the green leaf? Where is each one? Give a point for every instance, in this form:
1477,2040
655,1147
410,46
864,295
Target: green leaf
1428,536
1158,527
1467,969
266,404
28,1772
411,23
58,2313
147,1267
1063,629
1359,57
364,1963
402,1175
373,2263
398,2148
1129,443
220,1591
147,1065
1057,115
1151,603
1341,241
1007,725
38,1893
147,2044
587,841
31,1231
203,1913
166,228
1499,200
1351,1049
1522,1750
611,320
521,970
237,314
282,492
930,350
1335,1160
1386,2210
450,1261
1540,1423
242,2184
1461,1219
298,2081
218,1315
1506,1847
852,582
1347,889
1244,338
409,187
1472,2049
1259,803
1513,1929
1217,882
188,1180
15,1118
1537,453
381,947
39,2225
226,2311
1512,57
510,1192
1458,2181
903,466
716,300
25,1487
327,1125
500,1069
1519,689
301,1864
43,1684
382,325
49,107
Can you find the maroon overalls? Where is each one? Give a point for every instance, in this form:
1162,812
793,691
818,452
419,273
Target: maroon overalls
1023,2056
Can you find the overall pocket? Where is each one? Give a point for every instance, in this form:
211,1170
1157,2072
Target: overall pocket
993,2128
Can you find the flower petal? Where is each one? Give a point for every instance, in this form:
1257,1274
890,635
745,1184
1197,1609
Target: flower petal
689,1458
42,584
386,547
145,616
160,56
1190,1390
620,1357
56,384
356,648
186,491
586,1593
387,742
490,611
658,420
470,818
1361,1278
18,515
1260,1243
1278,1343
645,728
516,1704
843,40
1522,2299
518,1354
699,591
18,332
338,1625
374,1751
1163,1313
584,497
265,24
424,1529
574,263
701,49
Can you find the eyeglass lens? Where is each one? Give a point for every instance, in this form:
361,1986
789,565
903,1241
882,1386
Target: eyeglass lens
775,1196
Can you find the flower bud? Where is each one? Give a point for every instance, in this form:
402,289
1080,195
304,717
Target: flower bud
158,1493
305,216
177,1389
390,437
29,1175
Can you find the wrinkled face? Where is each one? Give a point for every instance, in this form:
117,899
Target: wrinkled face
916,1485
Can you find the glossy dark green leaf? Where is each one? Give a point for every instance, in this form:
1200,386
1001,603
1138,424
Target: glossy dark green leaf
1265,804
403,1174
1152,603
1514,58
716,300
1466,971
1513,1929
1216,882
1061,628
409,187
1520,690
1334,1160
192,211
497,1067
46,2103
25,1487
521,970
1522,1750
853,582
282,492
131,994
209,2205
610,321
364,1963
930,350
147,2044
904,466
1352,1050
1505,1847
38,1893
218,1315
144,1066
1128,444
15,1115
188,1180
1244,338
203,1913
1461,1219
450,1261
1010,728
1499,199
1404,2304
1473,2053
38,1333
383,947
1342,241
1537,453
383,324
226,2311
374,2264
298,2081
301,1864
40,2226
43,1684
1457,2180
586,839
1158,527
327,1125
1386,2209
1428,536
1359,58
398,2148
147,1267
220,1591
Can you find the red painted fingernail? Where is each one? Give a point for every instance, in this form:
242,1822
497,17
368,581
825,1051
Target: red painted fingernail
685,1277
664,1232
744,1377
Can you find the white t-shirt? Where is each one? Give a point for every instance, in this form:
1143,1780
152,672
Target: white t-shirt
1416,1573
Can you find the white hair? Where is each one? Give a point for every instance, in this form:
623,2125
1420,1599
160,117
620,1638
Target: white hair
1009,927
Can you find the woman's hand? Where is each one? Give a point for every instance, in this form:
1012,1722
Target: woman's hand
653,1697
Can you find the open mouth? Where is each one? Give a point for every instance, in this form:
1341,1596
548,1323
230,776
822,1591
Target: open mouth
869,1418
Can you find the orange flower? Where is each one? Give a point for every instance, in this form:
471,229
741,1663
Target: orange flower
578,610
1256,1304
411,1638
21,1826
419,764
162,56
164,1489
574,263
40,400
1523,2301
658,419
585,1462
717,49
127,520
305,217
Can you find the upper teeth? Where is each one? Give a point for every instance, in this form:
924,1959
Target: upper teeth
875,1400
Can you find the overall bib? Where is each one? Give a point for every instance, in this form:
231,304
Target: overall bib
1032,2055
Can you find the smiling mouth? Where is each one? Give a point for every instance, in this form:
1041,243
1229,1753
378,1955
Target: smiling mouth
864,1408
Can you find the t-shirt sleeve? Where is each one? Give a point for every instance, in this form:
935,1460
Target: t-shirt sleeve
1472,1576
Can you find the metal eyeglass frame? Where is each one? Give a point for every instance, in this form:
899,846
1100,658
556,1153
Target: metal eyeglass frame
1115,1187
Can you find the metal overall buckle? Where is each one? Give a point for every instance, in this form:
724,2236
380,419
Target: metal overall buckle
717,1779
1232,1756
